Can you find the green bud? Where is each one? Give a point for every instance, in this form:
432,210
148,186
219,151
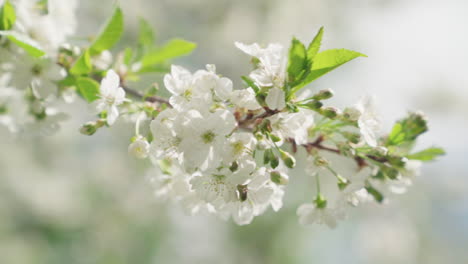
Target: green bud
274,161
90,128
288,159
330,112
267,156
351,137
279,178
313,105
323,95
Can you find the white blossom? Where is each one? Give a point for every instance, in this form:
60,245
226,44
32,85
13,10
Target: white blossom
368,121
111,95
309,214
139,148
275,99
203,138
245,98
292,125
270,70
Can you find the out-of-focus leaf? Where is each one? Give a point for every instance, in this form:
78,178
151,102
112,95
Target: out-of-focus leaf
82,65
88,88
146,35
174,48
427,154
7,16
31,47
110,34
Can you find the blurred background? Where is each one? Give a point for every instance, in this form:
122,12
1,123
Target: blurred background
76,199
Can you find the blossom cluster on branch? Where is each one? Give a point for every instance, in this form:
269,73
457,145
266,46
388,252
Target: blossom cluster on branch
217,147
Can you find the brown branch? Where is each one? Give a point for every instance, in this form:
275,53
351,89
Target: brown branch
139,95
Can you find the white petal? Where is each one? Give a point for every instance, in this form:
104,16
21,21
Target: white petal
275,99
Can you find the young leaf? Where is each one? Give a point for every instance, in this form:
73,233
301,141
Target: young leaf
297,61
314,46
407,130
174,48
326,61
146,34
26,44
82,65
88,88
7,16
427,154
110,34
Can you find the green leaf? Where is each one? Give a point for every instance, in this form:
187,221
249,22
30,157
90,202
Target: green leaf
407,130
314,46
174,48
26,44
146,35
427,154
326,61
128,55
7,16
82,65
297,61
88,88
110,34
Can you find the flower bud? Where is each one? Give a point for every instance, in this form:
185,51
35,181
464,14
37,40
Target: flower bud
288,159
330,112
323,95
279,178
313,105
139,148
90,128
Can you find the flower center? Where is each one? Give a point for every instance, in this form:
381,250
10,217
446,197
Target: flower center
208,137
110,100
238,148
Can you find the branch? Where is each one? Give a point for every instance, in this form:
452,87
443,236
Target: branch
139,95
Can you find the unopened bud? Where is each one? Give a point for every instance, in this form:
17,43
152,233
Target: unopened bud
323,95
288,159
313,105
330,112
279,178
91,127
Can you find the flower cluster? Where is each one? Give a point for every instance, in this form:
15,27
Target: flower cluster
217,147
